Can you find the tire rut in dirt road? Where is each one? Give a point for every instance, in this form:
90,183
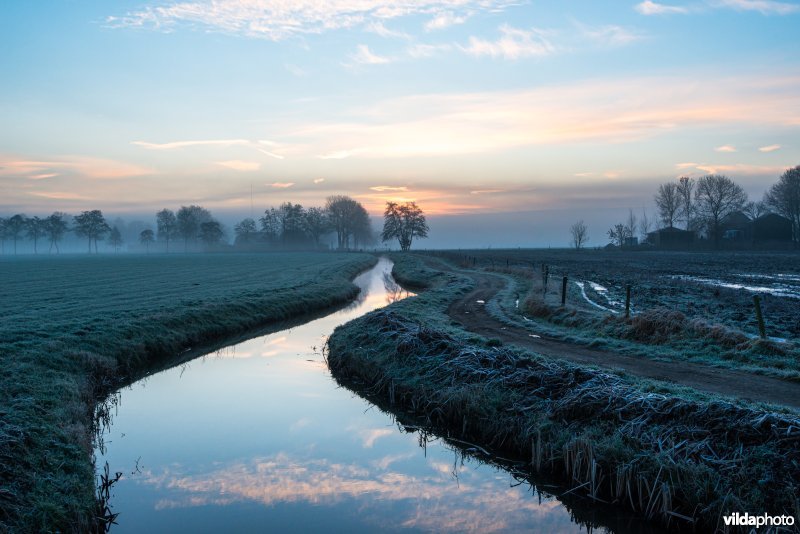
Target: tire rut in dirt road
472,314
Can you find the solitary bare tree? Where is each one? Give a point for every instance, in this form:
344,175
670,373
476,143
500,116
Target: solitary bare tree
784,197
403,222
580,234
717,197
668,202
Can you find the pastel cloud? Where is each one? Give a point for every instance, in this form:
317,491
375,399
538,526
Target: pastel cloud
652,8
187,144
513,43
382,188
281,185
765,7
58,195
769,148
444,20
85,166
239,165
277,20
364,56
725,148
614,111
609,35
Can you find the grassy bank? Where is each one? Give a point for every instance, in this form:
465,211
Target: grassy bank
74,329
674,458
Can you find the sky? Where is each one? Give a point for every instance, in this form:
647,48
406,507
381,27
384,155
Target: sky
505,121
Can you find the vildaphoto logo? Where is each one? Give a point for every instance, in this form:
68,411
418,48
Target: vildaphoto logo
746,520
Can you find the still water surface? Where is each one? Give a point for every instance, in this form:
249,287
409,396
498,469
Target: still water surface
259,437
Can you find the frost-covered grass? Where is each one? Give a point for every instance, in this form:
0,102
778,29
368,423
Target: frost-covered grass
75,328
668,454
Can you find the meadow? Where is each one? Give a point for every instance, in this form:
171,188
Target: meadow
669,453
75,328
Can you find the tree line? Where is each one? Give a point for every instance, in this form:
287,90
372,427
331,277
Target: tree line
288,226
702,205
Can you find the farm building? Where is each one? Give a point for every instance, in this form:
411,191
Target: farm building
736,227
671,237
772,229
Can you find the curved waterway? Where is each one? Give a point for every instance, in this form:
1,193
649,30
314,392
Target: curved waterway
259,437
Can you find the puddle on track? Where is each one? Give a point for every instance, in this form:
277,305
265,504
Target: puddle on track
258,436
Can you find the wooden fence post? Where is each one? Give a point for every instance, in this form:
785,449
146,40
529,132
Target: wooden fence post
762,330
627,301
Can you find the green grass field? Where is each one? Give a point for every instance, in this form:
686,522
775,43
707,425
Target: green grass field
76,328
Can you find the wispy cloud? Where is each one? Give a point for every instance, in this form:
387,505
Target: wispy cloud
382,188
319,180
218,143
725,148
652,8
742,169
514,43
444,20
341,154
765,7
364,56
422,50
73,165
239,165
174,145
58,195
278,19
610,35
618,110
380,29
281,185
769,148
485,191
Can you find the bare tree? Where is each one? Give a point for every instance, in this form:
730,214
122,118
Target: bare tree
167,225
211,233
55,226
580,234
245,230
35,227
784,197
403,222
756,209
685,193
348,219
189,220
115,239
14,227
316,224
668,202
619,234
146,238
717,197
91,225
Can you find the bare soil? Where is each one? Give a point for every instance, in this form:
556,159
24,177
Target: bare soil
472,315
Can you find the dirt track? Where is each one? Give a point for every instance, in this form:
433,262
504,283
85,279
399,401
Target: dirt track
474,317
